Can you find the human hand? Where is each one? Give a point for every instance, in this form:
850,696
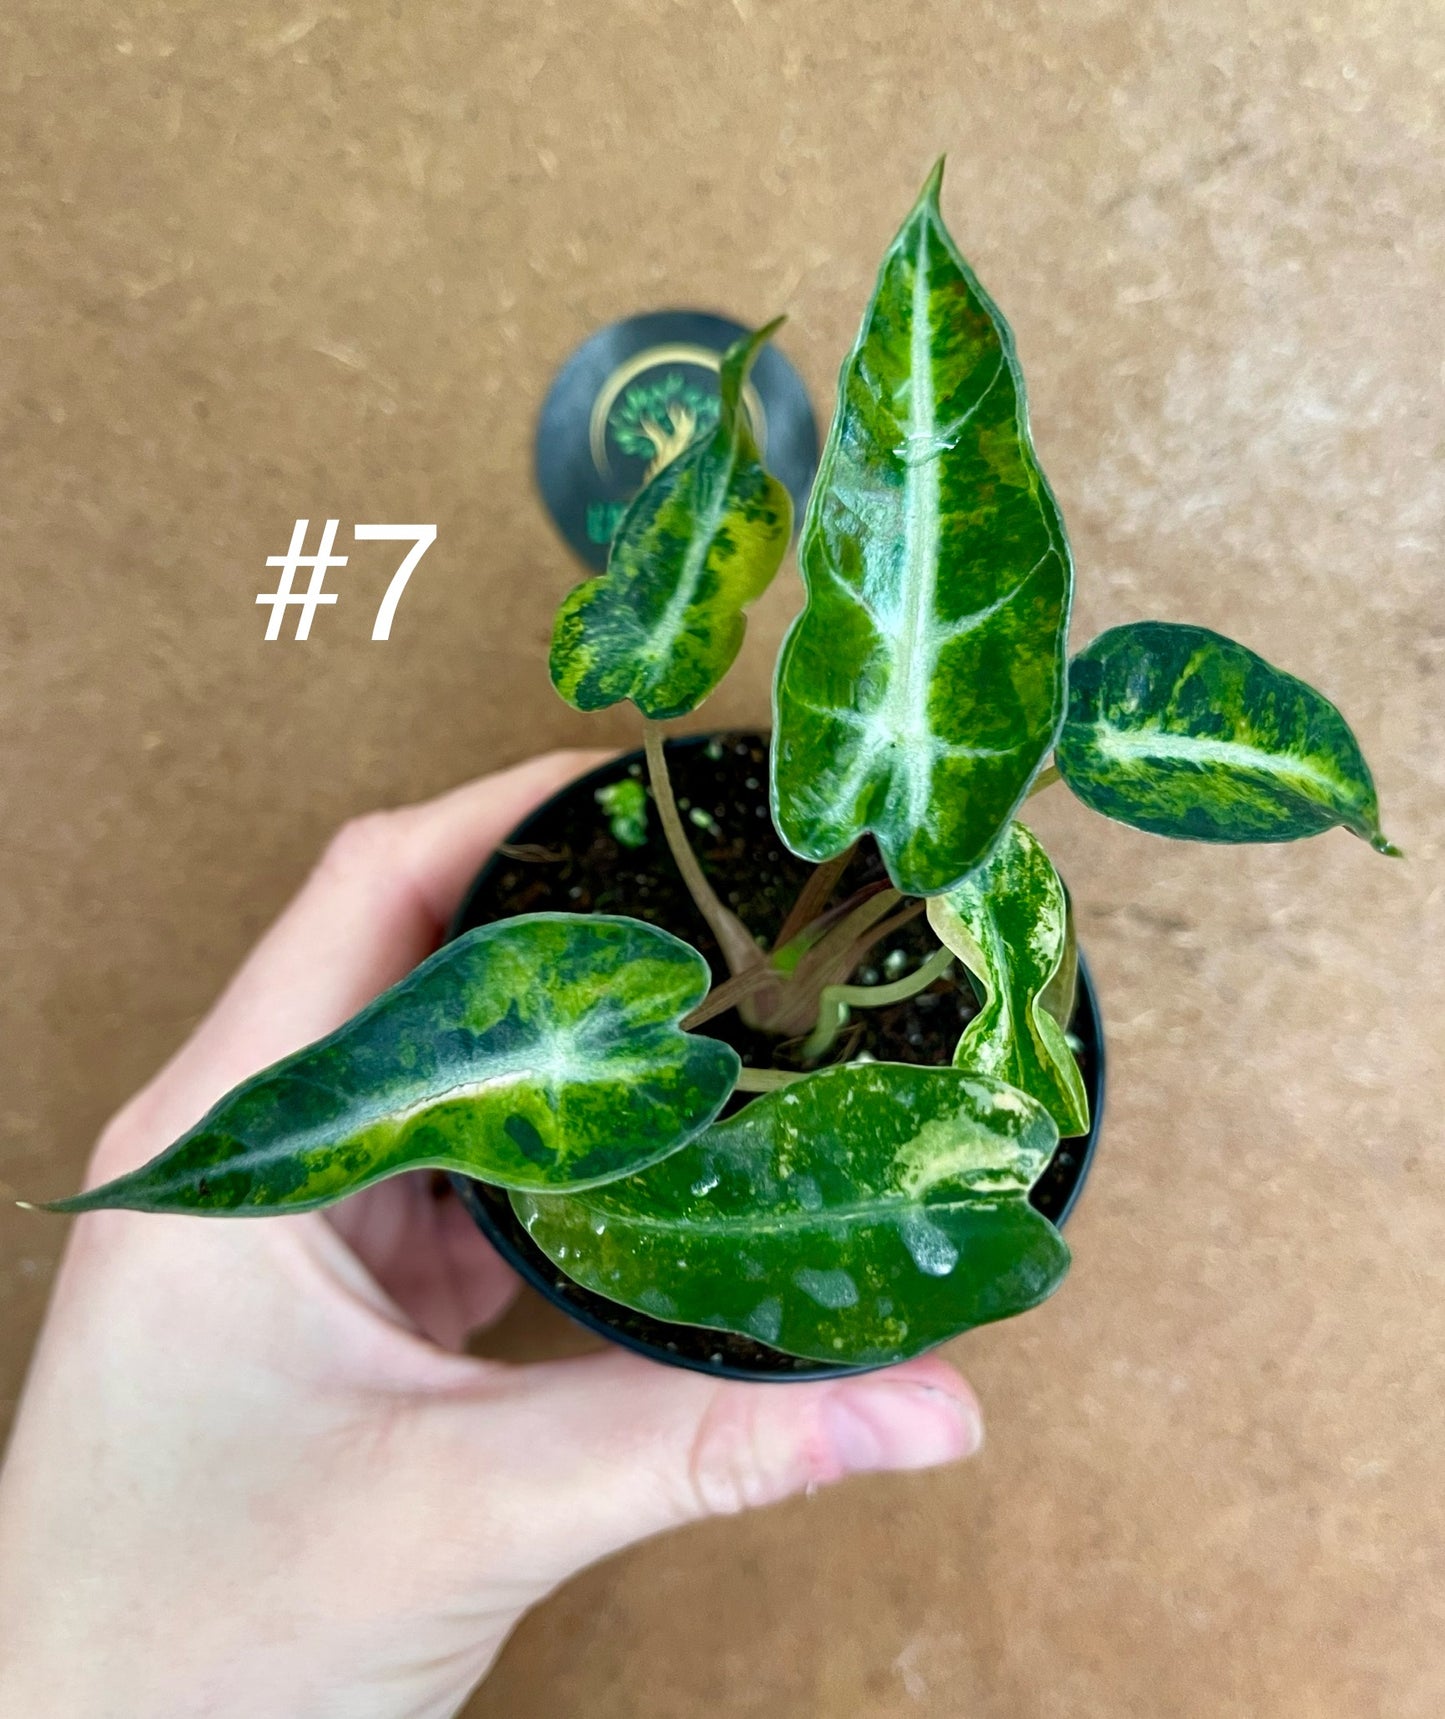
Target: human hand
253,1472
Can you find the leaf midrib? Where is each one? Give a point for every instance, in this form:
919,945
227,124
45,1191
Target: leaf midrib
1137,745
552,1075
670,625
912,643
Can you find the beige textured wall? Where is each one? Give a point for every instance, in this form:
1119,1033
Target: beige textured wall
271,260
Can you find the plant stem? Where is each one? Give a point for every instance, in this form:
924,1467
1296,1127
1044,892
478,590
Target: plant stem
765,1079
790,1007
723,997
1045,779
738,946
839,950
836,1000
854,925
816,893
889,926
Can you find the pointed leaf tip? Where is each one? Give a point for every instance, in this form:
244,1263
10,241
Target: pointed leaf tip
933,185
1180,731
541,1051
733,372
923,684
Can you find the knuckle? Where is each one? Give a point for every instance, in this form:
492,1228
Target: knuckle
361,844
743,1457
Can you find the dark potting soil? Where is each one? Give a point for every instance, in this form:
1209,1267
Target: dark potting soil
566,858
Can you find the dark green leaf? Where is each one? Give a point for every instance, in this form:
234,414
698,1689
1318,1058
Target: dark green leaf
662,625
863,1214
1179,731
924,681
536,1052
1008,923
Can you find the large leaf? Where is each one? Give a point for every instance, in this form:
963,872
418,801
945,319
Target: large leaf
1179,731
861,1215
662,625
923,683
1008,922
536,1052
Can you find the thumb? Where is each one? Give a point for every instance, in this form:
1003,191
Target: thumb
610,1448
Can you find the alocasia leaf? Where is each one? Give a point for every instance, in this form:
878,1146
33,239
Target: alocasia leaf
1061,994
662,625
861,1215
624,805
537,1052
923,683
1008,923
1177,730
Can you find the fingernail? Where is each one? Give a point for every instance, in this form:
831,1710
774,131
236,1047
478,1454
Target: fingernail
883,1425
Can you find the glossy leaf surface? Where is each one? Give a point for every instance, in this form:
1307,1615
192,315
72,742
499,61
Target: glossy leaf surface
662,625
1008,922
1061,994
861,1215
536,1052
924,681
1177,730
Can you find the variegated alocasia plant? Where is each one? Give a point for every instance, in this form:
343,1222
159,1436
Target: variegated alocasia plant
853,1211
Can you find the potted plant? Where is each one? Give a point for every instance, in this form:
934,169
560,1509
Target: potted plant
774,1054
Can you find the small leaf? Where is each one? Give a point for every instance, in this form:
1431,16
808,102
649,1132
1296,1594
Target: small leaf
1008,923
923,683
662,625
1179,731
536,1052
624,805
861,1215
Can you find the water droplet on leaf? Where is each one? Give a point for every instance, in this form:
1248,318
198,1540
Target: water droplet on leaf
932,1252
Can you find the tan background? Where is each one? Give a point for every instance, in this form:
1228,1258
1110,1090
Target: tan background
271,260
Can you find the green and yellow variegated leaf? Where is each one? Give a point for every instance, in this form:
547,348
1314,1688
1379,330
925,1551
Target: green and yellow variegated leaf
662,625
861,1215
924,681
624,805
1061,994
1008,923
1179,731
538,1052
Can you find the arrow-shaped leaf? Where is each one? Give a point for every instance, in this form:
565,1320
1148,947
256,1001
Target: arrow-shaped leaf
537,1052
1179,731
861,1215
662,625
924,681
1008,922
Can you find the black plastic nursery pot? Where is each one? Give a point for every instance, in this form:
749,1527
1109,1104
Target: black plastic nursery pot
566,858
